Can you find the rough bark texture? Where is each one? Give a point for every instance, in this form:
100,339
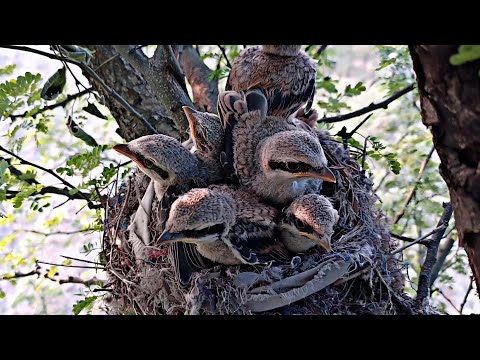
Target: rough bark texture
166,79
450,100
130,84
205,92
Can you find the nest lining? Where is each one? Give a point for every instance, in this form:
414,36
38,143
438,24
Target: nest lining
359,276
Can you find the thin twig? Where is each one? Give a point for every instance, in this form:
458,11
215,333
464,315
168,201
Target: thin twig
81,260
431,257
53,106
72,266
470,288
438,228
413,189
382,180
55,232
321,49
70,280
442,256
51,172
381,105
45,189
94,75
448,299
224,53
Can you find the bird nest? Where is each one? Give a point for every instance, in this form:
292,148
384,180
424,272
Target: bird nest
359,275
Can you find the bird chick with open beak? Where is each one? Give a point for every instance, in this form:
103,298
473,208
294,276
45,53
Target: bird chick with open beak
284,73
309,221
228,226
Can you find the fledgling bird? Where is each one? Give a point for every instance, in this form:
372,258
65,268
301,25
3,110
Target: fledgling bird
207,135
269,154
308,221
175,171
227,226
285,74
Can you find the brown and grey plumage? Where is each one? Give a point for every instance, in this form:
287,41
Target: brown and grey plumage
228,226
175,170
207,134
308,221
285,73
268,154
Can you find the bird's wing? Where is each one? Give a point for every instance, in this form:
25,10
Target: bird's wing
231,106
256,243
186,260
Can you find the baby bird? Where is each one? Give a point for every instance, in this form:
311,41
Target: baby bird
268,154
285,74
207,134
167,162
308,221
174,170
227,226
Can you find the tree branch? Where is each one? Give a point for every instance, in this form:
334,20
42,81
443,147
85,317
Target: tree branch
381,105
470,288
161,73
55,232
413,189
321,49
205,91
419,240
224,53
423,290
46,189
53,106
51,189
92,74
442,256
69,280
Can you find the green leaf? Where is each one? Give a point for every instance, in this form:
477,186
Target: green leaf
2,294
51,273
465,54
83,304
92,109
73,191
78,132
54,85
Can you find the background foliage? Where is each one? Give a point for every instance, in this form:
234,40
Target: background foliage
37,226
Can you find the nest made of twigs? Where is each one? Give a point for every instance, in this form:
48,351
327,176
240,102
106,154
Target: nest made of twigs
359,275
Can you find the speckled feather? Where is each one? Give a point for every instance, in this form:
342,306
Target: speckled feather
288,81
249,225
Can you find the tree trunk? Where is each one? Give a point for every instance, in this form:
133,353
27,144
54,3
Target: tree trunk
130,84
450,101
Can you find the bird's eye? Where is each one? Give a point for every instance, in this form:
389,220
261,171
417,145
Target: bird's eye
292,166
149,164
299,224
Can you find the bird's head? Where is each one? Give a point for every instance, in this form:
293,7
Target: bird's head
161,157
294,155
282,50
200,216
207,131
310,220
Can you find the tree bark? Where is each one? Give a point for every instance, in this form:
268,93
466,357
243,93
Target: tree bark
130,84
205,92
450,101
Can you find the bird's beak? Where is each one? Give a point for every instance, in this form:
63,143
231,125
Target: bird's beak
170,237
192,121
324,244
123,149
324,174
